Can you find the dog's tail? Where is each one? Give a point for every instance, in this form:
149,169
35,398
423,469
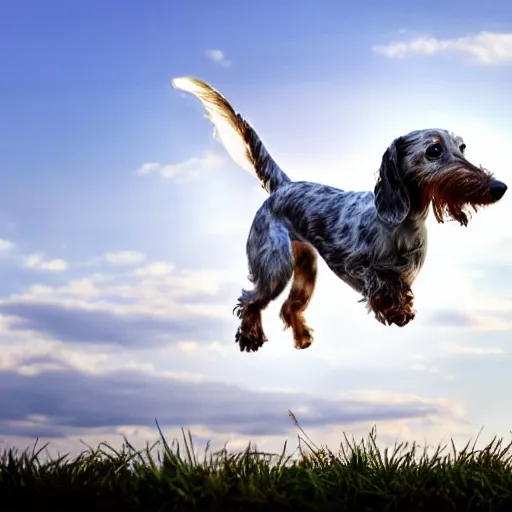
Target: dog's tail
238,137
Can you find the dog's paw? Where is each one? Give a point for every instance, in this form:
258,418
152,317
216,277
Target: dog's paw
393,309
249,342
400,318
304,338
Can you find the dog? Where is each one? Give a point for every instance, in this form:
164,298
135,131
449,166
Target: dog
376,242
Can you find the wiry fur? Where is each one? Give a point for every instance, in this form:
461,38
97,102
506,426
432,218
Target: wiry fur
376,241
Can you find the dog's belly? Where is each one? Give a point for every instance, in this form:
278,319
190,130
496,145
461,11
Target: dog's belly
336,261
356,271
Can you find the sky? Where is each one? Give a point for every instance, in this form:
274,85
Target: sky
123,222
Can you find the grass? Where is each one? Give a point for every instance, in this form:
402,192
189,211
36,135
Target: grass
163,477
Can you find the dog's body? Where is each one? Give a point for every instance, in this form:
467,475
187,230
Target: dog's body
376,242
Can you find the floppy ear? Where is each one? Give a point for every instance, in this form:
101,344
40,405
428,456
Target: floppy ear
391,196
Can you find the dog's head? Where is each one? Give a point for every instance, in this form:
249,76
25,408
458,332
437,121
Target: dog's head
429,167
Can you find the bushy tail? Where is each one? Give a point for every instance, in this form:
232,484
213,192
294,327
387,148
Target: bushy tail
238,137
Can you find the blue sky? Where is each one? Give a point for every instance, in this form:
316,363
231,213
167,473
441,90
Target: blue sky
117,285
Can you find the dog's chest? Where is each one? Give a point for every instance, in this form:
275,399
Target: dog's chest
407,251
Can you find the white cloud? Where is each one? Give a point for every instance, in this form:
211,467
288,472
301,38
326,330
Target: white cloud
124,257
37,261
157,288
425,369
460,350
218,57
155,269
486,48
5,245
148,168
184,171
161,279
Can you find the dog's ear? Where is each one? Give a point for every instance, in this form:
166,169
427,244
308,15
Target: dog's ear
391,196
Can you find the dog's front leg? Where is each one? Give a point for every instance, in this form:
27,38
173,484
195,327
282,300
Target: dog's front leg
390,298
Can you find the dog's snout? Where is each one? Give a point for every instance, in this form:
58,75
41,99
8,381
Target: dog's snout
497,189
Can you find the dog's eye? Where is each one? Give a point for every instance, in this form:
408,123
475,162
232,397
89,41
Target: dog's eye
462,148
434,151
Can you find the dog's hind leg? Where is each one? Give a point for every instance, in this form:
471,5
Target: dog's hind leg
303,285
269,252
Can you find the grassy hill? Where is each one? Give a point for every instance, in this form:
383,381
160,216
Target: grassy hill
163,477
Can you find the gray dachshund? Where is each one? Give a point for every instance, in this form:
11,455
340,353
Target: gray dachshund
376,242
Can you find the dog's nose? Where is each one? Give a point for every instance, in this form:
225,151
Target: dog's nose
497,189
